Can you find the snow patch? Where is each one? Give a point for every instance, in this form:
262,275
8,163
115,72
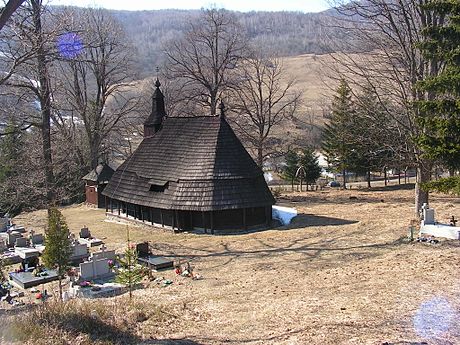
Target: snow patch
284,214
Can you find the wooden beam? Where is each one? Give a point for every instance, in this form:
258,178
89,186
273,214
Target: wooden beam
245,224
203,215
161,218
177,219
212,222
106,204
268,215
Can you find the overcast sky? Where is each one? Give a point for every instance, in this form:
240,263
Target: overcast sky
237,5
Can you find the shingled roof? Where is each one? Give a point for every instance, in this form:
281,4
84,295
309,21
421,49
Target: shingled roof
192,163
102,174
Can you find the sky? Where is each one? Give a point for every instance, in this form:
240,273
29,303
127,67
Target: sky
237,5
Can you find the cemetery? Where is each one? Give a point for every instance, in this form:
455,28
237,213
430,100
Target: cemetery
330,268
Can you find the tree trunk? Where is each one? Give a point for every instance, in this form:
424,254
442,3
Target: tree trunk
369,178
423,176
385,176
45,103
260,156
60,284
95,150
344,179
213,96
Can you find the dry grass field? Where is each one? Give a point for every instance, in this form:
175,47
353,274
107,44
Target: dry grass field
342,273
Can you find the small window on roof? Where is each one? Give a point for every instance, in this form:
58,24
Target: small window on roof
159,188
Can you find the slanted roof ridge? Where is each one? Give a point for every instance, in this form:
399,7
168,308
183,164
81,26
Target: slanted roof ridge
192,117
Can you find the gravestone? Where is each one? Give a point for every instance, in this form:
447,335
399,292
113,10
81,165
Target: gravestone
37,239
17,228
79,252
103,254
428,216
95,269
10,237
27,279
85,233
3,245
143,249
21,242
26,253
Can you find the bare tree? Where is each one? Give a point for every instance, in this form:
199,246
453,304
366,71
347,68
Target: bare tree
32,75
206,56
95,76
388,34
262,101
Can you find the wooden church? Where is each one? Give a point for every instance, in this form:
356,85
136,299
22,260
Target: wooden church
190,173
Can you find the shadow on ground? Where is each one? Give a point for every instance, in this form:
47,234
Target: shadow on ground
171,342
331,249
408,186
304,220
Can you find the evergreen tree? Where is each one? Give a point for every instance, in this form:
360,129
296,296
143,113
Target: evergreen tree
58,247
376,135
292,164
130,272
309,161
338,135
440,113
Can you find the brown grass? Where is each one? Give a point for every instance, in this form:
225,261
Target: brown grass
342,273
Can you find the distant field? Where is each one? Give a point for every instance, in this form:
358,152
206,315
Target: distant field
342,273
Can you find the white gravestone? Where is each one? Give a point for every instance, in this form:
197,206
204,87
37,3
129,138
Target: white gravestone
94,269
428,216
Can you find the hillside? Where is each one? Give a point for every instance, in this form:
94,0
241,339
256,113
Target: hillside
292,33
334,276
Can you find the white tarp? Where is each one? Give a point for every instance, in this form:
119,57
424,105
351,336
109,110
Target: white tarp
284,214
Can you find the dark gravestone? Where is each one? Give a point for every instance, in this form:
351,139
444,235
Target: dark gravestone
85,233
142,249
156,262
27,280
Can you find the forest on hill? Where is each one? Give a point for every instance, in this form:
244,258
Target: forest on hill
283,33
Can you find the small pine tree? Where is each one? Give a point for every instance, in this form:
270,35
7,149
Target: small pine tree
130,273
292,164
58,247
309,161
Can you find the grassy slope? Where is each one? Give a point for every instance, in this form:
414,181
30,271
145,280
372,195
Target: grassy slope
341,274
